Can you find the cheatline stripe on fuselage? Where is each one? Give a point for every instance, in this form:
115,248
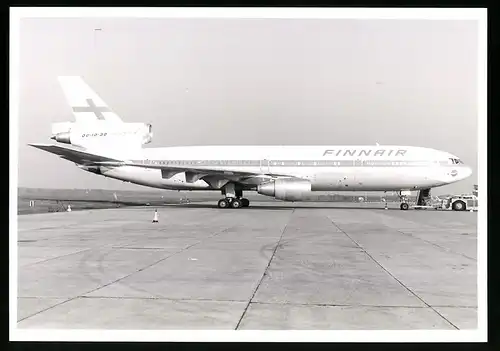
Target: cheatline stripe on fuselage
294,163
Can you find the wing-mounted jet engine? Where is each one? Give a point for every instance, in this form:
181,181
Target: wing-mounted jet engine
286,189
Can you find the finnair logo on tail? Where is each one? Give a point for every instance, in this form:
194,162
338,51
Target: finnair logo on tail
354,152
97,110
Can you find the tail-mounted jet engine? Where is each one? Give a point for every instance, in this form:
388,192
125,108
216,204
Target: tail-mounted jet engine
101,131
286,189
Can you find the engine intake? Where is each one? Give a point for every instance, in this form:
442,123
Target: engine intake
285,189
64,137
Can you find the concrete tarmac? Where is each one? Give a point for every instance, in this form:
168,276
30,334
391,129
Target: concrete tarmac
270,266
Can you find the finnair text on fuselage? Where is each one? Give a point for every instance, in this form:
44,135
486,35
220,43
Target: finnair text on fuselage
365,152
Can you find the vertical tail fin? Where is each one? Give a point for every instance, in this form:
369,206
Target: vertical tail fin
86,105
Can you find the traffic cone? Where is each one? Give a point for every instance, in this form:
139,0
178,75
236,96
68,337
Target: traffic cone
69,208
155,218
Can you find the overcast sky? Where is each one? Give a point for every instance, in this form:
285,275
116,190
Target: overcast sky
254,81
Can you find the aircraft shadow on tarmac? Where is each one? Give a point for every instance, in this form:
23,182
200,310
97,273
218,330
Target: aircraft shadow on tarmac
280,207
196,204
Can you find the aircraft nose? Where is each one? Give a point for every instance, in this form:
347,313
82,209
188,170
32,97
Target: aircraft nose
466,172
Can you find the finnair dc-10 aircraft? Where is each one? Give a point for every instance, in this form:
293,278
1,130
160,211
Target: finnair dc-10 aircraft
99,141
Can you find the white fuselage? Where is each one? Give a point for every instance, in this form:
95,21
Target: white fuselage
288,171
328,168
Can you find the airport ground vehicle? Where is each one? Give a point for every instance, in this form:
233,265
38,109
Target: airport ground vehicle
464,202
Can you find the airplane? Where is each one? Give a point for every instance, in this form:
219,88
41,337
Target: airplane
100,142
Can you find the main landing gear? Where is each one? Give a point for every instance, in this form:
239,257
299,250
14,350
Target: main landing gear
233,198
233,202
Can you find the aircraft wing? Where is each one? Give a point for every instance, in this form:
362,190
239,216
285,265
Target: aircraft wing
193,173
72,154
214,176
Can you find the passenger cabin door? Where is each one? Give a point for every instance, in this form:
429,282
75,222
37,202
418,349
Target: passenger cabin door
264,166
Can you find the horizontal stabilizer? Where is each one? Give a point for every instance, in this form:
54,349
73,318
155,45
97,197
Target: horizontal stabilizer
74,155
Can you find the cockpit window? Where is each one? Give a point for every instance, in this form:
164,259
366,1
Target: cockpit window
454,161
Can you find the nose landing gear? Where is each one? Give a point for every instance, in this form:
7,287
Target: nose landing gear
403,197
423,199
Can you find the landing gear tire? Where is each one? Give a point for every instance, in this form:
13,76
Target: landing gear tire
404,206
245,202
236,203
458,206
223,203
